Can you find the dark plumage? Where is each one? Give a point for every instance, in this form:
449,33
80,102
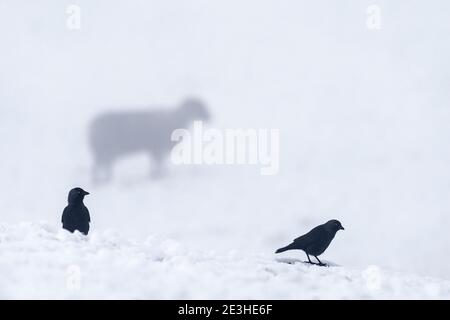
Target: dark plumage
316,241
76,215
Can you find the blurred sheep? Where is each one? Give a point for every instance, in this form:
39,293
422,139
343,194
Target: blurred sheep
117,134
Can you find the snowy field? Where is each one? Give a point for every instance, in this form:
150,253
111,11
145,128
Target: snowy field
363,117
40,261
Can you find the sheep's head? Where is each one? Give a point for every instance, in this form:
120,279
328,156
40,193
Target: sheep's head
194,110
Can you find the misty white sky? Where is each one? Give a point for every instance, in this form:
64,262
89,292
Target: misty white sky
363,118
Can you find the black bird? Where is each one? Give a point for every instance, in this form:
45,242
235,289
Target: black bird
76,215
316,241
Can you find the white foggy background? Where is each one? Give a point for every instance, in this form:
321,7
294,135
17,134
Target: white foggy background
363,118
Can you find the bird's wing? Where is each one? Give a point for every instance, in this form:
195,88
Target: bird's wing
307,239
64,215
87,214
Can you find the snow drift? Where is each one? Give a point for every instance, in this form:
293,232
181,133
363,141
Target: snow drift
41,261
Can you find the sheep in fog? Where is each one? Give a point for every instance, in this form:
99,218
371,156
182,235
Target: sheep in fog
117,134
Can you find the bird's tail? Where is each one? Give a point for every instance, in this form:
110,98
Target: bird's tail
289,247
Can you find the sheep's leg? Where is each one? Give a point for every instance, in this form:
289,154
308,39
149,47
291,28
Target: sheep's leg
158,166
101,173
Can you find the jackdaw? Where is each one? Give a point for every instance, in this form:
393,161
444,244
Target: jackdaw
316,241
76,215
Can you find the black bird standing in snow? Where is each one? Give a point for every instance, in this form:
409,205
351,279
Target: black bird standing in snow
316,241
76,215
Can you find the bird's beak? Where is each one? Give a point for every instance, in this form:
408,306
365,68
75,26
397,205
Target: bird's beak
86,193
341,228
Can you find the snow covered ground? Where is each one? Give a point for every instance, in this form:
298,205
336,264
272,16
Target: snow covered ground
41,261
363,117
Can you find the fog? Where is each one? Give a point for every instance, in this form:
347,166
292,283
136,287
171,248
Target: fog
363,119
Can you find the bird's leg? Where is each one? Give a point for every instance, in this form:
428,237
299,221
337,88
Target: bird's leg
320,262
309,260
